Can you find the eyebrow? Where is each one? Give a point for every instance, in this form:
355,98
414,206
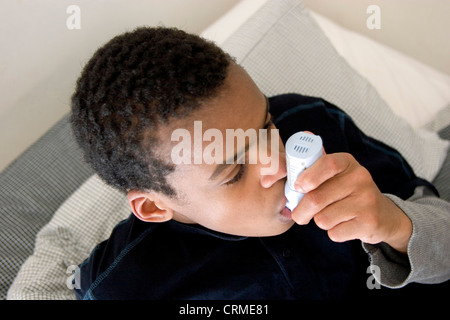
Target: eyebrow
222,166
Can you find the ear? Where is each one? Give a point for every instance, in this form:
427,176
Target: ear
145,208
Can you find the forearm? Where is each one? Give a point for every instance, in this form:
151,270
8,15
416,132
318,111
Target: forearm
428,252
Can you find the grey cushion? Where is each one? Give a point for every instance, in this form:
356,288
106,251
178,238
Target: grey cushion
31,189
85,219
442,180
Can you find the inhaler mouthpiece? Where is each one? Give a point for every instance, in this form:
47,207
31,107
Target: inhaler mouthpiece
302,150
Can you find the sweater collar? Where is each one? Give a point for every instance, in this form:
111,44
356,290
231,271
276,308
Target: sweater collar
198,229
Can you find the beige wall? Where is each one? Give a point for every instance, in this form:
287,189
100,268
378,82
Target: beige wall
40,58
419,28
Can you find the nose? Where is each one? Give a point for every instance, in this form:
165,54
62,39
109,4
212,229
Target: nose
274,171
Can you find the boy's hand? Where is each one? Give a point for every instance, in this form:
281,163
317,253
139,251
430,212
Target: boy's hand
343,199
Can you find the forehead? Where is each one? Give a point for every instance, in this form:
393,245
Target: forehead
239,105
236,105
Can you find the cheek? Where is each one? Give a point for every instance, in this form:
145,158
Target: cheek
227,209
252,202
224,209
206,207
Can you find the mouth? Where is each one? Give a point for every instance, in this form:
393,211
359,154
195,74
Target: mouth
285,212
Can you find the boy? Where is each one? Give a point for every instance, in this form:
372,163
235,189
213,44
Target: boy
220,230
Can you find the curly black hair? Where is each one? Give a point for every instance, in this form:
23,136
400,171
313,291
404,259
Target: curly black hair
136,82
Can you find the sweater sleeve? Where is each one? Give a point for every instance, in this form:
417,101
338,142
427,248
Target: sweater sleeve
428,255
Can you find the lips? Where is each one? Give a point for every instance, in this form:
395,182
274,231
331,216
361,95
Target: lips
286,213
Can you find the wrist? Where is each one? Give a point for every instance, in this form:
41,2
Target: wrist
401,232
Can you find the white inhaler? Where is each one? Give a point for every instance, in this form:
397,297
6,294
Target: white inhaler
302,150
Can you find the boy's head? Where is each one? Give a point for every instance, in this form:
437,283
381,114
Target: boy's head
136,91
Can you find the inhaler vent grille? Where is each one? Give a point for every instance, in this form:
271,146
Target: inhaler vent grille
306,139
301,149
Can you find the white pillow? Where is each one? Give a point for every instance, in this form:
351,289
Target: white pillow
413,90
82,221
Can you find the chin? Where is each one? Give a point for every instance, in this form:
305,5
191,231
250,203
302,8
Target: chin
273,230
281,222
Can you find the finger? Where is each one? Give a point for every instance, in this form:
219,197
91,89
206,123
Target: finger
324,168
336,213
345,231
331,191
349,220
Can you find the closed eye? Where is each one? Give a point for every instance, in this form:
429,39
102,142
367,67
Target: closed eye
238,175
